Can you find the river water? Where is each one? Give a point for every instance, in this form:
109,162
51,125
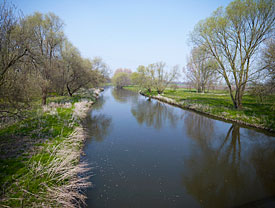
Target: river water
150,154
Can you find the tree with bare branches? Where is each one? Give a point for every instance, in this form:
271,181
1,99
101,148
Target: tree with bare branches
201,69
233,37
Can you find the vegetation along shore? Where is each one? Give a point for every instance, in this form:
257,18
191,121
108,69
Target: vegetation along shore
217,103
43,170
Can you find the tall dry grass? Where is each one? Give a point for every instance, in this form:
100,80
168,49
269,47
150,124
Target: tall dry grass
62,176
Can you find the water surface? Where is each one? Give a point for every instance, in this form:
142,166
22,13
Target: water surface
150,154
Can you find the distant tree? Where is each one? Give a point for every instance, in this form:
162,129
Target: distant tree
144,78
265,85
124,70
233,36
201,69
100,66
268,59
174,86
162,77
121,79
156,76
135,79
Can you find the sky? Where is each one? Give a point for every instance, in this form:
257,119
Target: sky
126,34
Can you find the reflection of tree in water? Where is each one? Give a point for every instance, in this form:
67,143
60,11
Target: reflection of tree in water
99,103
122,95
215,176
263,160
231,147
153,113
199,128
97,126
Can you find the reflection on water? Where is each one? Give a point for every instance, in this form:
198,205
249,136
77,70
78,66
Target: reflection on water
217,174
97,124
231,146
153,113
151,154
122,95
199,128
263,160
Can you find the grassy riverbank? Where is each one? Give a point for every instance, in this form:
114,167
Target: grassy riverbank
219,104
39,160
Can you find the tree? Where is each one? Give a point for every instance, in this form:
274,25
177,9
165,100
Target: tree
135,78
161,77
12,39
99,65
144,79
233,37
79,73
268,59
265,85
201,69
47,37
124,70
155,76
121,79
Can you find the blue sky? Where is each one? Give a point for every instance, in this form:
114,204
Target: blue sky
128,33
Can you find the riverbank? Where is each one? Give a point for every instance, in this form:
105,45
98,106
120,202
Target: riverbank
39,156
218,105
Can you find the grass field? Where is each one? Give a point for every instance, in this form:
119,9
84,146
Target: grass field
218,103
39,156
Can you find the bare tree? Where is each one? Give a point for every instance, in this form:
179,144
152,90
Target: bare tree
268,59
161,76
233,37
99,65
201,69
12,43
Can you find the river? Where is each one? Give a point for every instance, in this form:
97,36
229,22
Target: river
149,154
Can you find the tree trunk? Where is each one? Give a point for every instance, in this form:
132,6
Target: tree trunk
44,97
203,88
69,91
160,91
238,98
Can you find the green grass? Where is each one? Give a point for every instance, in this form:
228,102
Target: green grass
219,103
28,143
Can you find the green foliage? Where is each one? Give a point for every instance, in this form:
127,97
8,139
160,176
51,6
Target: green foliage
121,79
37,60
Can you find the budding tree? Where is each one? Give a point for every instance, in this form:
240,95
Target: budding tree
201,69
233,36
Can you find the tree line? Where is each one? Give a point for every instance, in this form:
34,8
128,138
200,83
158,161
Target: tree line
154,76
37,60
235,44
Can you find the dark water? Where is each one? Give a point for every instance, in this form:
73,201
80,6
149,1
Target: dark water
149,154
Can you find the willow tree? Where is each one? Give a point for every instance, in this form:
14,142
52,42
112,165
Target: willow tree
46,32
161,76
233,37
201,69
12,39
